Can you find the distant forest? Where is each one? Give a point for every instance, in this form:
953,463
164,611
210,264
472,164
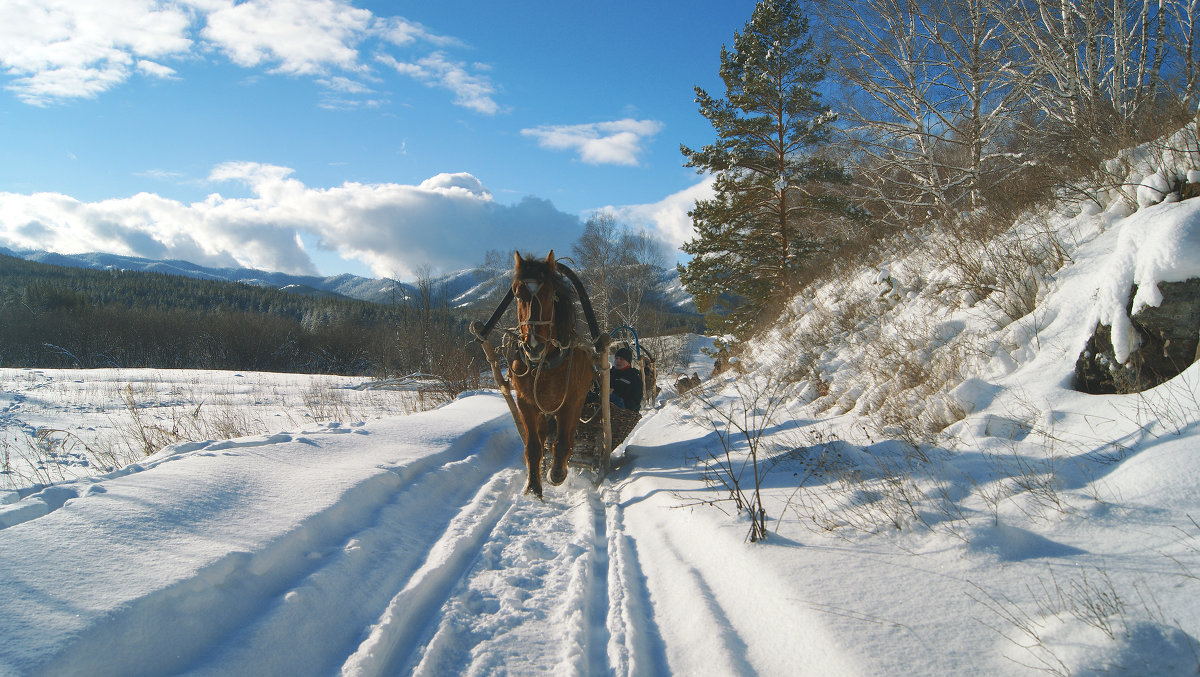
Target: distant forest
53,316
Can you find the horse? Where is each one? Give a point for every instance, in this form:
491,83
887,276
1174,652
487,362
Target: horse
550,366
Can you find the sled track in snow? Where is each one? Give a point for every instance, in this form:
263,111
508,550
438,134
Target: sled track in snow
338,571
440,566
535,599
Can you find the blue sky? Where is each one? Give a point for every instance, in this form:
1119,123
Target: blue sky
330,136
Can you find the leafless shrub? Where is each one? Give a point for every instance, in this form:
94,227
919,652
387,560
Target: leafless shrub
741,424
1169,408
845,488
36,459
324,403
672,353
1090,598
1189,540
1036,481
1005,273
1023,629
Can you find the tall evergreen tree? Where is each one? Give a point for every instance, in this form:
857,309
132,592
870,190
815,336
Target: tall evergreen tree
770,177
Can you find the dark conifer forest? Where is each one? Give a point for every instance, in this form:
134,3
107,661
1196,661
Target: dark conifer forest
52,316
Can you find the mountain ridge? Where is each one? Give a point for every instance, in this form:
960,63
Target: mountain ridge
459,288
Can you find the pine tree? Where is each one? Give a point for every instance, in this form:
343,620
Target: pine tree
769,175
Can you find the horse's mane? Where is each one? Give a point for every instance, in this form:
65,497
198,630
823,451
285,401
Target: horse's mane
565,315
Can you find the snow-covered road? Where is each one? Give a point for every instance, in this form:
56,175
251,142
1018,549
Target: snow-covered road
394,547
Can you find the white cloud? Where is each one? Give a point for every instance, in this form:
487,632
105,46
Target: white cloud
435,70
296,37
155,69
668,218
618,142
163,175
56,50
339,83
61,49
401,31
448,221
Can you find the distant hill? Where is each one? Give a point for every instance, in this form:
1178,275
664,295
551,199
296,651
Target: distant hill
461,288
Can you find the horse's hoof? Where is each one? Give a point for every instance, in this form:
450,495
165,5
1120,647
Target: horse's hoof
536,491
558,476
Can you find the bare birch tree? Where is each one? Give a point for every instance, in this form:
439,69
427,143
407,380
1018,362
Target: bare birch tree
1182,34
933,95
1095,68
621,269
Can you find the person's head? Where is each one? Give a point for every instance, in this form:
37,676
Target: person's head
623,358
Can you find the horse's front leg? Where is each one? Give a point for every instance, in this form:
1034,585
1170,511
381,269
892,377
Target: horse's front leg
535,425
562,448
579,381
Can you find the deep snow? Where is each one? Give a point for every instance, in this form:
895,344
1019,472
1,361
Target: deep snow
1032,529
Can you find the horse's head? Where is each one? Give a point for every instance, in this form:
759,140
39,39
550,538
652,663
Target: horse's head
535,286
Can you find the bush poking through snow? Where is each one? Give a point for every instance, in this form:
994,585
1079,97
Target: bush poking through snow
1089,608
740,416
1005,273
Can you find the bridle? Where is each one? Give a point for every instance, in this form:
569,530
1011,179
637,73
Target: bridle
527,327
525,347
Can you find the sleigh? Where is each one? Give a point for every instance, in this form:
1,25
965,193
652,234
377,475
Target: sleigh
589,437
591,450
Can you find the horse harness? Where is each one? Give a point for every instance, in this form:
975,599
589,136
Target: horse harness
516,350
548,354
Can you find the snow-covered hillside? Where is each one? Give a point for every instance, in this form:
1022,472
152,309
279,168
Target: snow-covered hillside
937,501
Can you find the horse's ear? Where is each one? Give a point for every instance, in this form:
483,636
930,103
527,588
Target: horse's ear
550,259
517,258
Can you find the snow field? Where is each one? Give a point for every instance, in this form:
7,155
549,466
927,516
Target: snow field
300,523
65,424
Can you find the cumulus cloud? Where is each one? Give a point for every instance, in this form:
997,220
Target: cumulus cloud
296,37
448,222
60,49
618,142
668,218
56,50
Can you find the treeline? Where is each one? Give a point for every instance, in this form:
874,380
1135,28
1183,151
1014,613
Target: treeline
883,123
957,105
52,316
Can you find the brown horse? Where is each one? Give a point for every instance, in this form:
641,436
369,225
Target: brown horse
550,368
